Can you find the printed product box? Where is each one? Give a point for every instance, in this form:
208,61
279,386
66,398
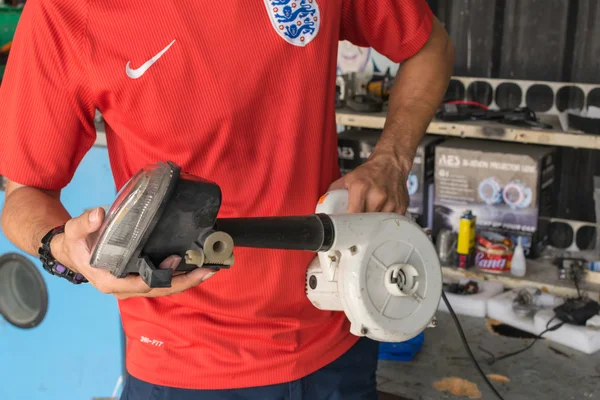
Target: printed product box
355,147
508,187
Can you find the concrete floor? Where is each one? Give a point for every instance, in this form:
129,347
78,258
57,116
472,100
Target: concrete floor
545,371
387,396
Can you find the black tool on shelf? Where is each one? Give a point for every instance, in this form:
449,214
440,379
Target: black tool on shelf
365,103
523,116
577,311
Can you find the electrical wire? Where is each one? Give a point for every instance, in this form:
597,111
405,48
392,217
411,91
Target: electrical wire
466,344
576,283
530,345
468,103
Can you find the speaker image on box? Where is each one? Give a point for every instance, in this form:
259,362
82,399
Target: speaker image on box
508,186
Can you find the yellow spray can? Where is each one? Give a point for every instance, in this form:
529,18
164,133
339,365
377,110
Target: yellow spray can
465,242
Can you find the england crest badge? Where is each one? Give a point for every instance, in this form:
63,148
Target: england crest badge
296,21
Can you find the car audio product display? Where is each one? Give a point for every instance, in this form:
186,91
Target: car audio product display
540,96
490,191
572,236
412,183
508,186
516,195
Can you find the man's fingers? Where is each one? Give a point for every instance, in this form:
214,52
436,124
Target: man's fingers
389,206
191,279
400,210
88,222
128,285
170,262
376,199
181,283
134,286
356,197
339,184
403,200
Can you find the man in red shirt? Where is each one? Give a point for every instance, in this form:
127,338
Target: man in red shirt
241,93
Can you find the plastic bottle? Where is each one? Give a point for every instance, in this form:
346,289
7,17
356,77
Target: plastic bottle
518,263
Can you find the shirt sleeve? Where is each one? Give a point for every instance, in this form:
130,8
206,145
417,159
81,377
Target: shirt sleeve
46,112
398,29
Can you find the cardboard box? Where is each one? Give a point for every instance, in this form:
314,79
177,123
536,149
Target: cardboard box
421,199
508,186
355,147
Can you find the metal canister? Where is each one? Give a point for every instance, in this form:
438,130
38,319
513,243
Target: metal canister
446,246
465,241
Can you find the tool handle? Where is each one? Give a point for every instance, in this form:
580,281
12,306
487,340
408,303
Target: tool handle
311,232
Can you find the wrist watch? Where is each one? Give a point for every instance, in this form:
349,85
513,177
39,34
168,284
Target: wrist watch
51,265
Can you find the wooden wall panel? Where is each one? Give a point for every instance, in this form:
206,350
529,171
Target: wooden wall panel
554,40
534,39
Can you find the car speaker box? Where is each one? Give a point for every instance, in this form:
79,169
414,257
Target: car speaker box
508,187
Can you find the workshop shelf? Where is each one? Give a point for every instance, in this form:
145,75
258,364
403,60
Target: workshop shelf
540,274
484,130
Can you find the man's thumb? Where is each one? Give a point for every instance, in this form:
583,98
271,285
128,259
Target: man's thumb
88,222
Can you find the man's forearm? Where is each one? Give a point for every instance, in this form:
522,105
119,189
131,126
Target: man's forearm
417,92
28,214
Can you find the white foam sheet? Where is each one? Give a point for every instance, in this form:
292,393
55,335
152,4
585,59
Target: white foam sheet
500,308
474,305
582,338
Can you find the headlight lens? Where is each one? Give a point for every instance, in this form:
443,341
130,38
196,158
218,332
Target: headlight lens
130,217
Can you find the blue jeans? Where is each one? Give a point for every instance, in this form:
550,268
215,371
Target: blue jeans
350,377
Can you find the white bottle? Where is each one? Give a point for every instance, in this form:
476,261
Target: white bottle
518,264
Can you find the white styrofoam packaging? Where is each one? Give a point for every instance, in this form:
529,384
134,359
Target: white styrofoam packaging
474,305
582,338
501,308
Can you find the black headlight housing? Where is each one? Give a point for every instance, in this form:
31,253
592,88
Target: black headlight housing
160,212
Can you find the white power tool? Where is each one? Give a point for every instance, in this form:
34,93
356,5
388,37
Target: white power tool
380,269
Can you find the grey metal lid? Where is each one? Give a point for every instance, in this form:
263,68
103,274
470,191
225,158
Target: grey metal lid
23,292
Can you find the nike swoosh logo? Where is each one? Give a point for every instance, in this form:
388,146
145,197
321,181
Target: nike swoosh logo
136,73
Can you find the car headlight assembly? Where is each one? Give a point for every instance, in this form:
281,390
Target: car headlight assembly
160,212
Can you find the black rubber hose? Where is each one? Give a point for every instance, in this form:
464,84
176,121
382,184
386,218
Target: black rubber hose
310,232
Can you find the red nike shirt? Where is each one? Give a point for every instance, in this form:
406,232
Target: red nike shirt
238,92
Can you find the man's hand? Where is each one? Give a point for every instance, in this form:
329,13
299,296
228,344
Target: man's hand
419,86
377,185
73,249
